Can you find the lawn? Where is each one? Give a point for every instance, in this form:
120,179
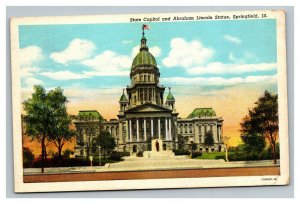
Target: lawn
212,155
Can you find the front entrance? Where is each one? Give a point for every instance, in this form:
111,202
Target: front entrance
164,147
134,148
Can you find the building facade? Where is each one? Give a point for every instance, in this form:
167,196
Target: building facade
145,115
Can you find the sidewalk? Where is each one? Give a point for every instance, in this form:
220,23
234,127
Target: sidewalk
143,164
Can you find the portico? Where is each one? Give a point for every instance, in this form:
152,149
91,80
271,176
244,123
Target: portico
141,128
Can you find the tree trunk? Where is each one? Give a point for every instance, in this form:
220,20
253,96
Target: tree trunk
43,154
59,151
274,152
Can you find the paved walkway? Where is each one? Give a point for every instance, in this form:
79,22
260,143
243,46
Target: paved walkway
154,161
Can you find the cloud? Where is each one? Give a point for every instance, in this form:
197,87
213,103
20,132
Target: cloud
108,63
78,49
29,71
30,55
232,39
155,51
63,75
221,68
31,81
218,81
187,54
126,41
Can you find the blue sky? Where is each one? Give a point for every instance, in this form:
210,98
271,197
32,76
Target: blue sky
207,54
225,65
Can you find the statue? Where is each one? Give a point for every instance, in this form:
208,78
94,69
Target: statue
157,146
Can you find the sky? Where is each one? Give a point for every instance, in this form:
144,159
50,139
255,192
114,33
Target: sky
225,65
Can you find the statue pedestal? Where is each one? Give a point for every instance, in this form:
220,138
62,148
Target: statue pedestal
154,145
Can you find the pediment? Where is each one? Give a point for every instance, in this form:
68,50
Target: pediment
149,108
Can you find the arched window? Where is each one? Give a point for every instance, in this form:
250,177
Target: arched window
200,129
148,77
112,131
186,128
191,128
88,132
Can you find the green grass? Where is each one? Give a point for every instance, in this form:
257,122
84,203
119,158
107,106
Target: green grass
212,155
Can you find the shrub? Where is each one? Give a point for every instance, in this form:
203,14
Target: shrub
28,157
181,152
123,154
241,154
115,156
67,153
196,154
140,154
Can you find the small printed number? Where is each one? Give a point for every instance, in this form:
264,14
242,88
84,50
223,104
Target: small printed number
264,15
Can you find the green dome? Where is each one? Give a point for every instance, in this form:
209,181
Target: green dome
90,114
170,97
144,58
123,98
202,112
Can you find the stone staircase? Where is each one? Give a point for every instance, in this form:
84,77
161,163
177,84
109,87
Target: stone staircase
151,155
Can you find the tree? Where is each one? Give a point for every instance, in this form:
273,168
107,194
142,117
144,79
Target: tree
106,142
254,143
45,114
38,120
263,120
193,147
28,157
181,141
149,143
61,132
209,138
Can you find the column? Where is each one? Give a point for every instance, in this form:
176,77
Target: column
166,127
145,136
159,137
84,135
176,130
151,127
137,130
127,132
170,130
218,133
130,131
143,90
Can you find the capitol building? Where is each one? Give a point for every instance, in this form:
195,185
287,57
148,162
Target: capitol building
146,114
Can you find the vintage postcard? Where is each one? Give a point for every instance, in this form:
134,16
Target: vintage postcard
149,101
